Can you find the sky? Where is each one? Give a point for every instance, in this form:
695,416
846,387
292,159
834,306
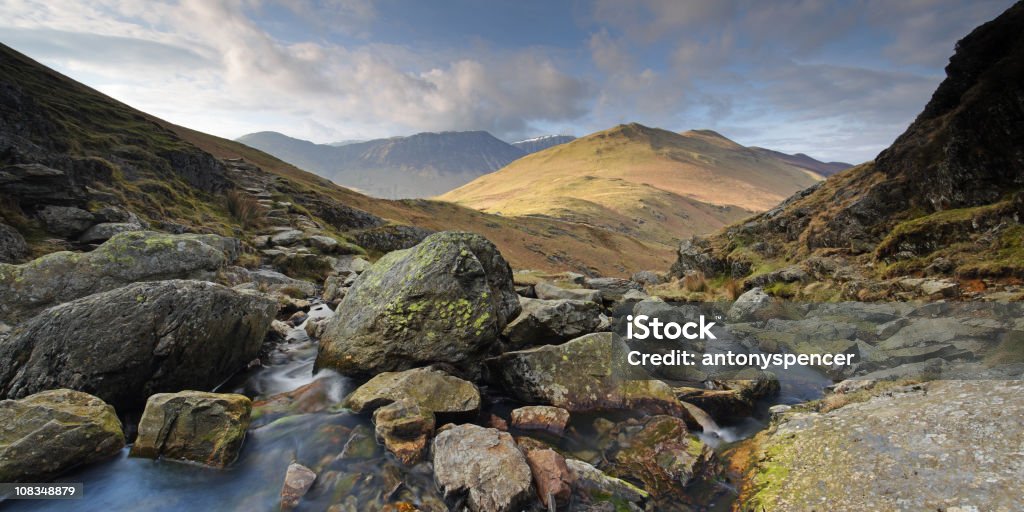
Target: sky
838,80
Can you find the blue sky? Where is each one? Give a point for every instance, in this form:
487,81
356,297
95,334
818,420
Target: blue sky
838,80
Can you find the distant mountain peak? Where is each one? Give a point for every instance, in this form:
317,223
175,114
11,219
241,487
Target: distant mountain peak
542,142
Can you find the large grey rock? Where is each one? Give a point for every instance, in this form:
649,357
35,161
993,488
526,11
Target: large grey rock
66,221
612,288
544,322
748,305
431,389
48,433
900,447
207,428
127,258
585,374
105,231
551,292
12,245
485,465
127,344
445,300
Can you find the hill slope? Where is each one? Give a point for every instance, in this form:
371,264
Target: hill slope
650,183
943,200
543,142
806,162
420,165
64,144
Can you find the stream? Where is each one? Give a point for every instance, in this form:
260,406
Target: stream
340,447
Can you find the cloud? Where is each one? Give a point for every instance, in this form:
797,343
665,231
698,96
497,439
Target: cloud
214,56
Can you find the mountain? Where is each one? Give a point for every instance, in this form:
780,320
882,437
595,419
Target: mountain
652,184
65,145
543,142
420,165
944,200
806,162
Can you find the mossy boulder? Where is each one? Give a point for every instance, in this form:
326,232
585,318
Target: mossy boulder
48,433
588,373
445,300
126,344
207,428
449,397
661,454
126,258
593,487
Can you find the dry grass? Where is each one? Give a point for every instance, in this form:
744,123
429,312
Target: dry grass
695,282
244,208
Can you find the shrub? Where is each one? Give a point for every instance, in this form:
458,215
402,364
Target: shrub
245,209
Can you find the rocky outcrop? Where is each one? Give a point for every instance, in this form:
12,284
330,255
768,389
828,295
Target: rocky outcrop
899,447
392,237
611,288
549,322
484,465
445,300
51,432
127,258
585,374
434,390
12,245
207,428
126,344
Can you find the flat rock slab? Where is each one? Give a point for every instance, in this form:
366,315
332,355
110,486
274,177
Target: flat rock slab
946,444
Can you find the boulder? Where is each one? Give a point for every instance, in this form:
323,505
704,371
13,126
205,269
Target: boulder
541,417
127,258
551,476
12,245
207,428
586,374
287,237
660,453
612,288
276,282
391,237
544,322
126,344
647,277
445,300
324,244
297,481
433,390
551,292
404,428
592,486
66,221
50,432
483,464
105,231
748,305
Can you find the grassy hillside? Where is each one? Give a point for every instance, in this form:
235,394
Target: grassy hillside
109,154
650,183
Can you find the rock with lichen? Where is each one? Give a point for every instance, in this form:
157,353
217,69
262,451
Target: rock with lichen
445,300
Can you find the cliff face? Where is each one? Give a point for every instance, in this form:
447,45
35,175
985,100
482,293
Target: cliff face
949,188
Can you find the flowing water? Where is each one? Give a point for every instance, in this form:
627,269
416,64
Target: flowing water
352,469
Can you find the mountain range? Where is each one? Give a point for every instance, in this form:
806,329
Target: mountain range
543,142
652,184
420,165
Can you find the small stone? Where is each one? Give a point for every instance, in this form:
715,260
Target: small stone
404,428
551,476
297,481
541,417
